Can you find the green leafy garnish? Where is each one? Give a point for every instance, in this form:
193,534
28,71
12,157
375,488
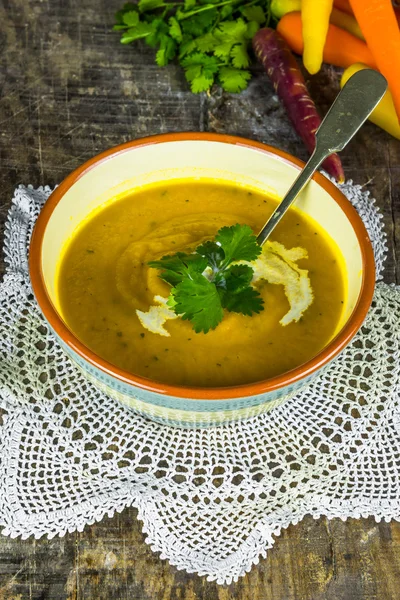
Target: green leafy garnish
209,280
198,301
210,39
176,268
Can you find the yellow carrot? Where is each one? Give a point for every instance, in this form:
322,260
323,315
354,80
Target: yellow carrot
315,22
384,115
341,19
341,48
345,21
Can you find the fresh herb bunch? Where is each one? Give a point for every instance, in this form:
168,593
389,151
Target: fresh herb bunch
201,298
210,38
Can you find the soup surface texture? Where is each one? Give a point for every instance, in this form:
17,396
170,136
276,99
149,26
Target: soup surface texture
103,279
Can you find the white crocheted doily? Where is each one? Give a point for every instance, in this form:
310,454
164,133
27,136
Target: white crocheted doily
210,500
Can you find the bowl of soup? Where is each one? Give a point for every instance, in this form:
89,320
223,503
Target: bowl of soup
160,195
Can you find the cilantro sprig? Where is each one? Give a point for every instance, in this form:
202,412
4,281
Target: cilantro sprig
209,280
209,38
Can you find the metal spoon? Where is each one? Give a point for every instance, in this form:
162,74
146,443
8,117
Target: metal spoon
351,108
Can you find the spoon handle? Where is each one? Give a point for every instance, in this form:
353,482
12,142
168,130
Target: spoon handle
350,110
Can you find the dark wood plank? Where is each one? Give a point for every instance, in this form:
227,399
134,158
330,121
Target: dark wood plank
355,560
68,90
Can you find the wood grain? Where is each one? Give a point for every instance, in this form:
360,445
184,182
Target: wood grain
68,90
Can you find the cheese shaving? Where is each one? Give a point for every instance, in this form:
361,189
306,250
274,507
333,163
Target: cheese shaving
153,320
276,264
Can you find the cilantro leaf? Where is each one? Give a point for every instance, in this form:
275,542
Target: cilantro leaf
176,267
226,12
199,295
240,57
119,16
131,18
187,46
158,29
206,43
252,29
238,277
167,50
142,30
233,80
247,301
201,83
198,24
147,5
231,31
218,30
175,30
212,252
200,70
254,13
238,243
197,300
223,50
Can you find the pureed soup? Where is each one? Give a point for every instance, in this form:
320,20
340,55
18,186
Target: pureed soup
114,302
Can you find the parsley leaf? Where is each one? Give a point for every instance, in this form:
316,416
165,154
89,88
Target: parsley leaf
197,300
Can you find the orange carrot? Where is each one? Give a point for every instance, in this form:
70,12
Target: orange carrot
343,5
341,48
397,13
381,31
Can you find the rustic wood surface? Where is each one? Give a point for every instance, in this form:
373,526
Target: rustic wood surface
68,91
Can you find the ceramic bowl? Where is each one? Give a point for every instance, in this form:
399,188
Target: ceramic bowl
174,156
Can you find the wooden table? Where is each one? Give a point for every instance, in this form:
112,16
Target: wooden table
68,91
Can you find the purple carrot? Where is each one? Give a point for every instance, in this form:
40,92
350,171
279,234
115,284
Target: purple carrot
283,70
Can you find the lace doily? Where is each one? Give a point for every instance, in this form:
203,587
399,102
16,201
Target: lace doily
211,500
